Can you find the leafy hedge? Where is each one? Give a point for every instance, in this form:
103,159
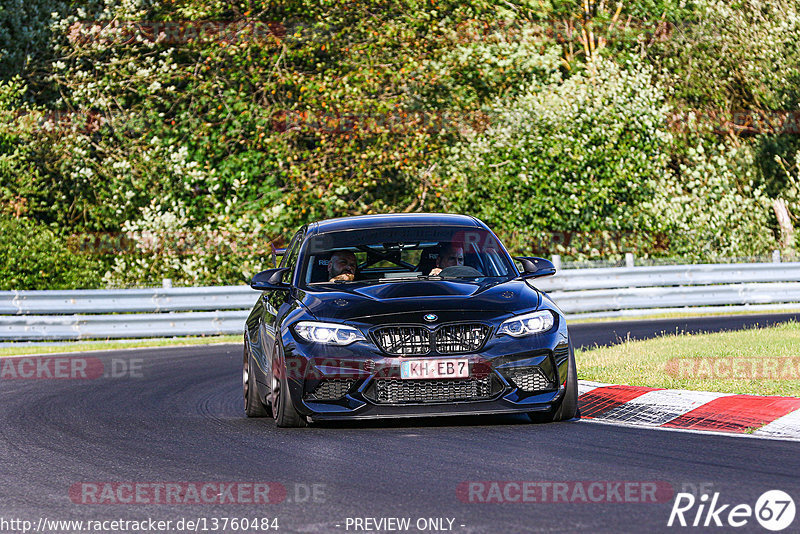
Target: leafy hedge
190,125
577,155
33,256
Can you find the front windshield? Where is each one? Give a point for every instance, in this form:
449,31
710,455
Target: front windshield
381,255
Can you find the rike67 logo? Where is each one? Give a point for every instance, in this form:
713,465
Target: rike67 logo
774,510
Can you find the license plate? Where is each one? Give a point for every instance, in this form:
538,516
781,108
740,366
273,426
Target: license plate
419,369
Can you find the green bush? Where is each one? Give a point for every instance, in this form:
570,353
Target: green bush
712,208
26,43
316,109
574,155
33,256
164,244
733,56
729,59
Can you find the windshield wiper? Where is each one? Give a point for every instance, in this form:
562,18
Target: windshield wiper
420,277
382,280
396,279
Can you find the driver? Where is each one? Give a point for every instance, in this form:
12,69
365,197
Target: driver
450,256
342,266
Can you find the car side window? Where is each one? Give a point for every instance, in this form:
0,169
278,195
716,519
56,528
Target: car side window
290,258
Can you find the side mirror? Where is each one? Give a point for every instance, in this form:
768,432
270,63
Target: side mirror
535,267
269,279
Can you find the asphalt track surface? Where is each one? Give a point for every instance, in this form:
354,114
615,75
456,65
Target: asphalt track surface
179,418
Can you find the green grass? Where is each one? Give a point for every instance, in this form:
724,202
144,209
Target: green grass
80,346
758,361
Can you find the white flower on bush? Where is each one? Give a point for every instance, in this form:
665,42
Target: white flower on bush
169,244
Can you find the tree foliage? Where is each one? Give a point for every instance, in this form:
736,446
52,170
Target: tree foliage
219,120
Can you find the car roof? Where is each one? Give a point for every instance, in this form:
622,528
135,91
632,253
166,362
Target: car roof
392,220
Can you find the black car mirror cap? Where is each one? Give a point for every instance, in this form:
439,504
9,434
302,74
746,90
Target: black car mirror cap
535,267
270,279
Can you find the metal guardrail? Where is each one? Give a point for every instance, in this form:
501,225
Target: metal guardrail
691,289
604,292
675,297
126,325
154,300
669,275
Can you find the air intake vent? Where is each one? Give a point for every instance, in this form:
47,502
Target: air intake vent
561,352
397,391
330,390
528,379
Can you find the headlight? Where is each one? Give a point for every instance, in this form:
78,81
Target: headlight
330,333
525,325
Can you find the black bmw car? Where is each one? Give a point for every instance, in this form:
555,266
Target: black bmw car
401,316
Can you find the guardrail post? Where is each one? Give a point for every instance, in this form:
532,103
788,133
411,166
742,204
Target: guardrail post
557,261
776,256
166,283
629,259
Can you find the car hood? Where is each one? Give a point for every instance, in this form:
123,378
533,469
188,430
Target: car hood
407,301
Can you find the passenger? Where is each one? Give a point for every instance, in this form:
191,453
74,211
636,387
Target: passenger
450,256
342,266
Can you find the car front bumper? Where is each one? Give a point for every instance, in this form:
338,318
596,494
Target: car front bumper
501,405
310,365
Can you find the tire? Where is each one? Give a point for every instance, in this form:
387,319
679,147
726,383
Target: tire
283,409
568,408
253,407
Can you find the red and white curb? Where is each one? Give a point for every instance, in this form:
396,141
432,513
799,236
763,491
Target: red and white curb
776,417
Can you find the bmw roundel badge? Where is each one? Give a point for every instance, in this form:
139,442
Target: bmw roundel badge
430,317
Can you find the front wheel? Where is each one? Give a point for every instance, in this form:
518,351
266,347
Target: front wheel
253,407
282,407
568,409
